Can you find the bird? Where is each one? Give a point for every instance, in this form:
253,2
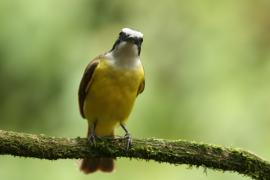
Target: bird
107,92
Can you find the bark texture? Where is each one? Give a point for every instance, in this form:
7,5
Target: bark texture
174,152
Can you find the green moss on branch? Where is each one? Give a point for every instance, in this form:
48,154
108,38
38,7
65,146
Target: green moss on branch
174,152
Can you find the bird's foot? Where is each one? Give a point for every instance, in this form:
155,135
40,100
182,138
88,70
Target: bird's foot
92,139
128,141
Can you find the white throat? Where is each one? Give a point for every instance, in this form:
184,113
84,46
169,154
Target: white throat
125,49
125,55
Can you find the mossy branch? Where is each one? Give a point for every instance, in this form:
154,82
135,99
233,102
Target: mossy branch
173,152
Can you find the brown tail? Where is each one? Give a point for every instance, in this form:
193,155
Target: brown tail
93,164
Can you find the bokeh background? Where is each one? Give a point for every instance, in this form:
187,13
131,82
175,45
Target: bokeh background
207,69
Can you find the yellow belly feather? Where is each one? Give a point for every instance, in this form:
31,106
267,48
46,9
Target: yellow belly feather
111,96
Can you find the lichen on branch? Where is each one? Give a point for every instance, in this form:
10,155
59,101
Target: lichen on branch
174,152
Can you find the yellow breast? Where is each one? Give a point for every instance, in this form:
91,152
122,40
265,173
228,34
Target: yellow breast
111,95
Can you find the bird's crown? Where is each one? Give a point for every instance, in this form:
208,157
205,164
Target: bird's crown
132,33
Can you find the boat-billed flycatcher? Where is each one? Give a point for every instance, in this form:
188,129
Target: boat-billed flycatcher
108,89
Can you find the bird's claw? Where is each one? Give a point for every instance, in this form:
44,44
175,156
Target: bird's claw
128,140
92,139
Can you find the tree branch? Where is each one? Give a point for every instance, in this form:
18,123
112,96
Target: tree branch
173,152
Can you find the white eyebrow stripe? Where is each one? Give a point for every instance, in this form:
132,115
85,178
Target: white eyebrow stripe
132,33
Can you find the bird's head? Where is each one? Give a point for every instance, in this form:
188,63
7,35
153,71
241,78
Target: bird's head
129,41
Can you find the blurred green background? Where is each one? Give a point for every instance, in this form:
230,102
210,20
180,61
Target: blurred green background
207,69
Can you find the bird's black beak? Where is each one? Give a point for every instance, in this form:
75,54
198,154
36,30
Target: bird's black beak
134,40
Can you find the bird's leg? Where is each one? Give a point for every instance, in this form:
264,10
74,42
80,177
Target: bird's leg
127,136
92,133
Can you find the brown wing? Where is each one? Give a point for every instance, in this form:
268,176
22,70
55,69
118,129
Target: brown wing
141,87
85,83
